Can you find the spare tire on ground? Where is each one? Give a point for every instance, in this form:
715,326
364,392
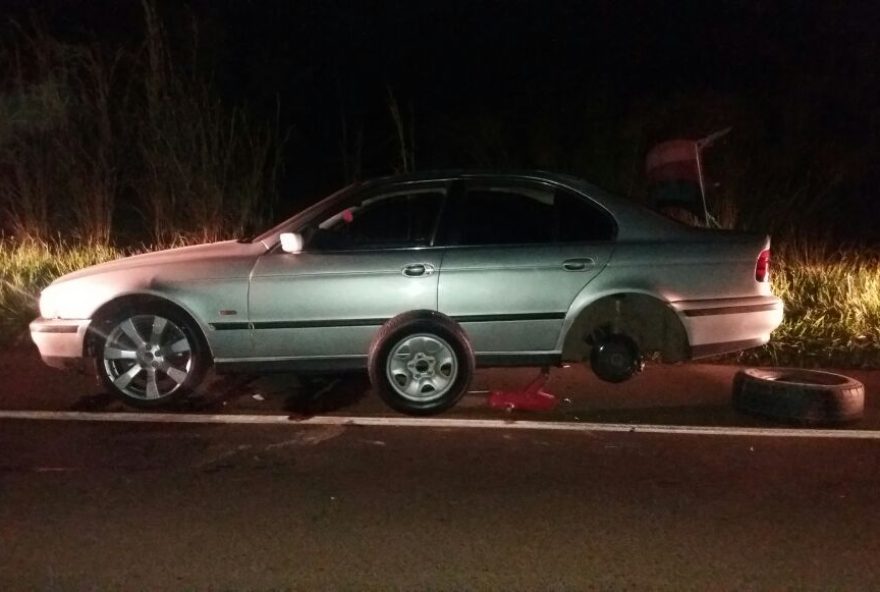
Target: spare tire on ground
799,396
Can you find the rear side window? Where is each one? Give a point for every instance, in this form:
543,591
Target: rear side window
506,215
501,216
579,221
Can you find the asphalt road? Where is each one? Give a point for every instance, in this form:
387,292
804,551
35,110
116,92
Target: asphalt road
155,506
159,507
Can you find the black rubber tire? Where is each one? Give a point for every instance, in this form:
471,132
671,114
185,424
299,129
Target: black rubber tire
199,352
799,396
410,323
615,358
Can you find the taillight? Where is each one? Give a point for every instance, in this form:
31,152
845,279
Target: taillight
762,267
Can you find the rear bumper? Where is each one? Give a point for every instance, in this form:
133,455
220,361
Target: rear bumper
729,325
60,341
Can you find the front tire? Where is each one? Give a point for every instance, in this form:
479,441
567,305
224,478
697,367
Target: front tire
421,363
149,356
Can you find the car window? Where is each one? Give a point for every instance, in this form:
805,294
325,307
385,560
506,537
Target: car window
578,220
500,215
391,220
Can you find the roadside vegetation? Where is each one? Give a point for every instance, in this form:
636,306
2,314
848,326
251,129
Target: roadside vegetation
99,143
832,309
26,267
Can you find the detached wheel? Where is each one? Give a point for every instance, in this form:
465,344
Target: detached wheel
150,357
798,396
421,363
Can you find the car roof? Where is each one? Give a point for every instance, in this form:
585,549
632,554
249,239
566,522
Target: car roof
440,174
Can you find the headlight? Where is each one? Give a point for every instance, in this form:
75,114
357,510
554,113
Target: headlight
72,299
75,298
48,305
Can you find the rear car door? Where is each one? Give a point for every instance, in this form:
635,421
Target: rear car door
364,262
518,252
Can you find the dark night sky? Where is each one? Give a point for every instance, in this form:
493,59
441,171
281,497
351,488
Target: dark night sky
456,61
494,46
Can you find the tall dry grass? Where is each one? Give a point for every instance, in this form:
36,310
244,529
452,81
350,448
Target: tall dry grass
206,171
95,138
58,163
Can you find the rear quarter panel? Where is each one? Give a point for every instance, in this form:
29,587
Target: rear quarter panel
697,266
717,266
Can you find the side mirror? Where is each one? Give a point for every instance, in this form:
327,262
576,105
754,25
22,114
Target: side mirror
291,242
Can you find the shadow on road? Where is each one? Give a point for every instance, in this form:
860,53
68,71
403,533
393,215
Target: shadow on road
304,396
97,402
318,395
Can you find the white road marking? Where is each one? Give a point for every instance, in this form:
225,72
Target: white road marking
435,422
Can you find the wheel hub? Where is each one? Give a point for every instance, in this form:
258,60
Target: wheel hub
421,366
616,358
149,357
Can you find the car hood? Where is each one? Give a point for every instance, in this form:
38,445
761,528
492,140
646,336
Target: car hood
204,253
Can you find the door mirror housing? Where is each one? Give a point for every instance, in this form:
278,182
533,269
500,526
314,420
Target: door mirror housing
291,242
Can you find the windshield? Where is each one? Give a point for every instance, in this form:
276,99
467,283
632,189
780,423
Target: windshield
270,236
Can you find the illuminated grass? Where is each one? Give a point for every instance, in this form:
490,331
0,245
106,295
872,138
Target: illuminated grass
832,300
26,268
832,311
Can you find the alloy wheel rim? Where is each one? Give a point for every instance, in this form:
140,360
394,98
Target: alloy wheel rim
147,357
422,368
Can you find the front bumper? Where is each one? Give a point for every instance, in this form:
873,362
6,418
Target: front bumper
60,341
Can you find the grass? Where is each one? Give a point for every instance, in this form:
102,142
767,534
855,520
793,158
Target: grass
832,310
27,267
832,300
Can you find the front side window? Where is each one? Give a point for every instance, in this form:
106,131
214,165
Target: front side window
387,221
510,215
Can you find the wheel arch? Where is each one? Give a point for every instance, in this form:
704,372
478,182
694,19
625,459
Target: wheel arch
127,301
648,320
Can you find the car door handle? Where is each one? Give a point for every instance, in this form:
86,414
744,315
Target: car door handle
418,269
578,264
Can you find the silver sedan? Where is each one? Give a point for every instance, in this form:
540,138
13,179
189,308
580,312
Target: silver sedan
419,279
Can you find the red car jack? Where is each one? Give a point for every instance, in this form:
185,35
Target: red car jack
531,398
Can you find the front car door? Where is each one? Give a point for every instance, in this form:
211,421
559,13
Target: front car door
518,252
364,261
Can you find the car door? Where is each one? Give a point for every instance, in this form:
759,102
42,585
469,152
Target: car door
518,254
364,262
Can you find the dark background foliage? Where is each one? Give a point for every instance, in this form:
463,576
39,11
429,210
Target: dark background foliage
367,88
